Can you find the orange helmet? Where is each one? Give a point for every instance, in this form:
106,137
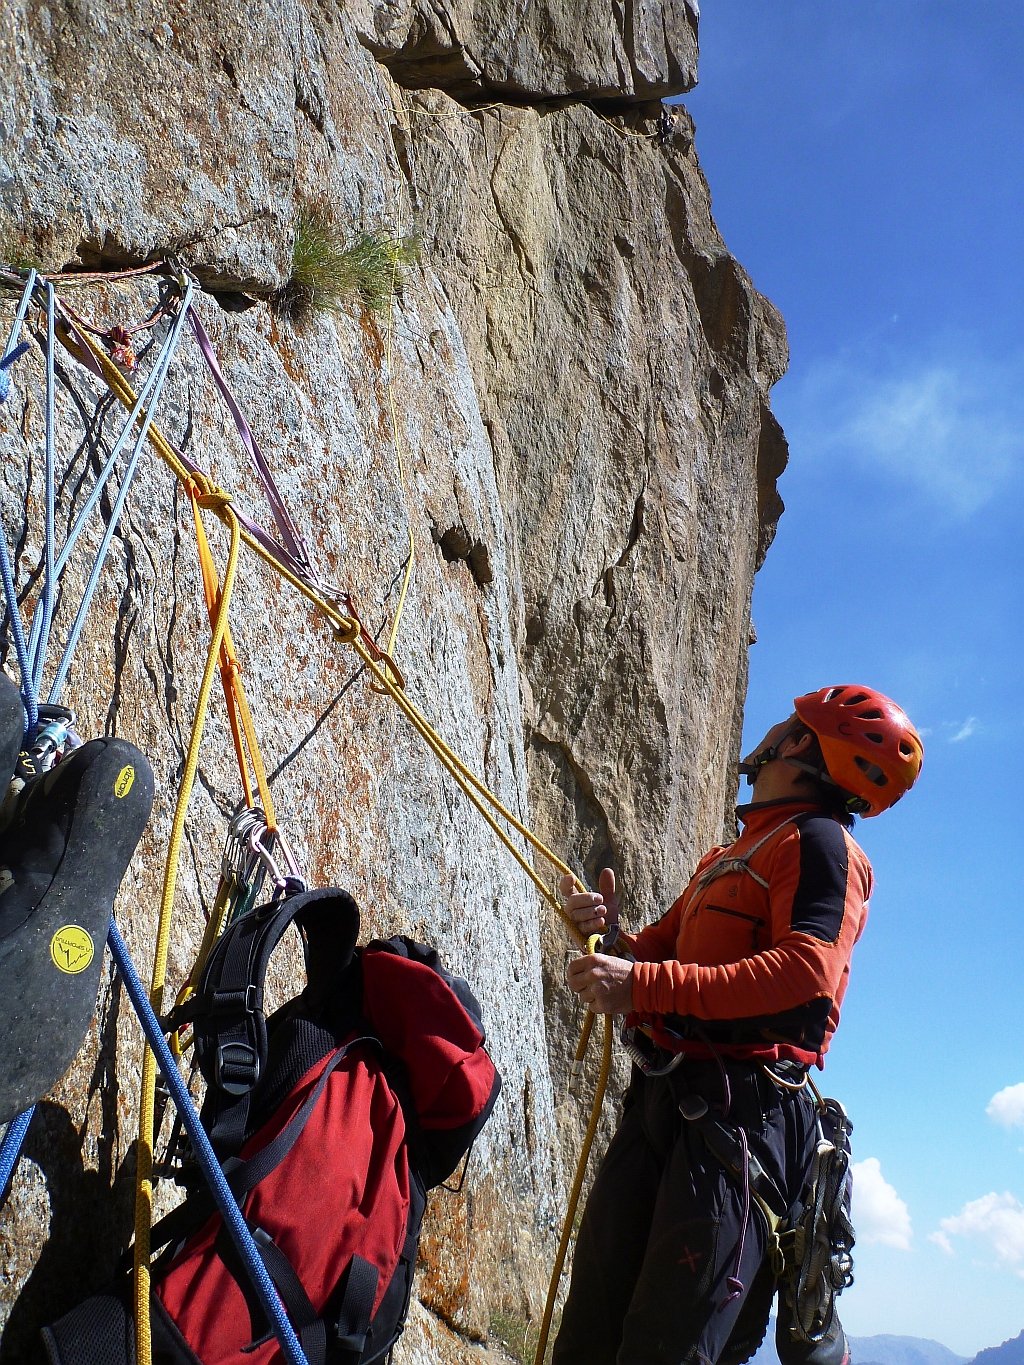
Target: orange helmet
869,746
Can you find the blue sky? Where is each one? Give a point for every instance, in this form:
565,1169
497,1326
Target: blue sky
866,167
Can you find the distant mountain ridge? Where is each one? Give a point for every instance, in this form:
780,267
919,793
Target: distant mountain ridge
886,1349
1009,1353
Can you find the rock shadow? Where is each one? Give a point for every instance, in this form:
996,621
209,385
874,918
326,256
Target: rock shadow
91,1210
90,1223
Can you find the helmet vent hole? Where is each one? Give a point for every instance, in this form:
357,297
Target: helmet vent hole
855,700
874,736
905,749
871,771
835,692
873,714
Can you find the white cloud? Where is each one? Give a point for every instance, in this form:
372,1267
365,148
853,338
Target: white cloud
879,1214
997,1219
1007,1107
966,730
952,427
942,1241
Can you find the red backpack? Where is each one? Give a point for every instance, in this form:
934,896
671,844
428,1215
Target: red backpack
331,1120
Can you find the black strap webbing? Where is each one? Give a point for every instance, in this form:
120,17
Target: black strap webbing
357,1306
726,1148
227,1013
184,1221
305,1319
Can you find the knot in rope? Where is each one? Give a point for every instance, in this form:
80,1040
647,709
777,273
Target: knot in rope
119,339
216,500
348,632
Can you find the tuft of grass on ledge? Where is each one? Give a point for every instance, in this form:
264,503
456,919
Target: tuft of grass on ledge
330,270
16,253
519,1337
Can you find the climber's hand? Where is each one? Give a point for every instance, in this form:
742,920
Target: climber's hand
603,983
587,908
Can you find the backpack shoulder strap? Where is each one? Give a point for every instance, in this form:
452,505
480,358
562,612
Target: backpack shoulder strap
227,1011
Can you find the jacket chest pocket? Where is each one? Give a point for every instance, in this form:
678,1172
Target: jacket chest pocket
753,923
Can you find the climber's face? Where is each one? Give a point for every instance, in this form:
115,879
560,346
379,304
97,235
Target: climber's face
772,740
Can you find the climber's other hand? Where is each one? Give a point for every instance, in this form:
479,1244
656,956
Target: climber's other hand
586,909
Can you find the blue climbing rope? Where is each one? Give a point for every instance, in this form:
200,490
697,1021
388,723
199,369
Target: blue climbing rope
11,351
32,656
155,386
219,1187
42,617
10,1148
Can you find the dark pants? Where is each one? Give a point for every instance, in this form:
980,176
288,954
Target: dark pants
661,1228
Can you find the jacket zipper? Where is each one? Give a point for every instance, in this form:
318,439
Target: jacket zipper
754,921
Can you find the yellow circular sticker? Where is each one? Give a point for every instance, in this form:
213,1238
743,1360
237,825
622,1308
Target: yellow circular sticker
71,949
125,778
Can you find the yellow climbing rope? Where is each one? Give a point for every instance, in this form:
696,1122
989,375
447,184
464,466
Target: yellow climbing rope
219,503
582,1161
347,630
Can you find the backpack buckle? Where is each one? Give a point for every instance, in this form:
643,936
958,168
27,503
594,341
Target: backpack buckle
234,1002
236,1068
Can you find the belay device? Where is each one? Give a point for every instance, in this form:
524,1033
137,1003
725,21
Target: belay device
331,1119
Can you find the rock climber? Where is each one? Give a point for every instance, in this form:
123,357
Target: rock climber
733,994
668,122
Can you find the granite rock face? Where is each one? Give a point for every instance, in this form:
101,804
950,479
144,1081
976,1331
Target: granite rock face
536,51
578,389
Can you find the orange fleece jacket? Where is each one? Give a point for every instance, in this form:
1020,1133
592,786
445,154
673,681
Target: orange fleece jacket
759,971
